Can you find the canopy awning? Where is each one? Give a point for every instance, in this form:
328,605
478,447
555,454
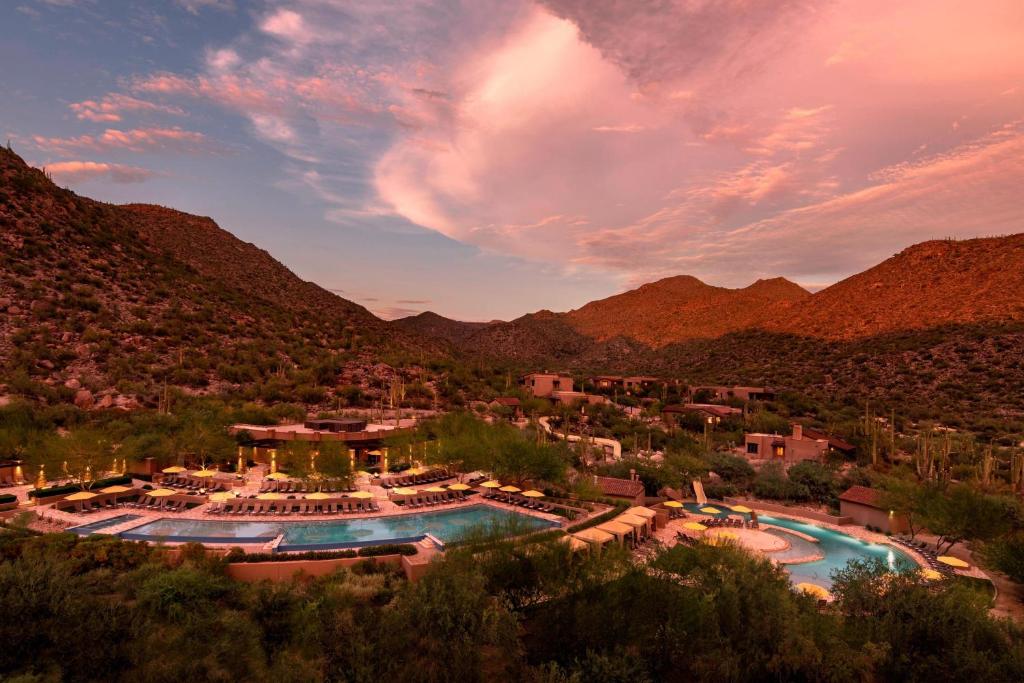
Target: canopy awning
595,536
640,511
81,495
617,528
632,520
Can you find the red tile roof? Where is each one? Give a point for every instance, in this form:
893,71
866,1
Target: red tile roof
625,488
862,495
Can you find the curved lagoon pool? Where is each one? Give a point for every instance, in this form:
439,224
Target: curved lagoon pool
837,548
445,525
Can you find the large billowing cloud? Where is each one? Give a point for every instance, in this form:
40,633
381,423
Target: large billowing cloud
730,139
78,171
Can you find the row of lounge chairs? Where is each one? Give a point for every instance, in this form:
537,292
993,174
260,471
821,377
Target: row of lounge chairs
400,480
163,504
194,483
421,500
271,486
247,506
731,523
528,503
926,551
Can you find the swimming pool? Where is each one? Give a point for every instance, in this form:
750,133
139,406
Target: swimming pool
445,525
837,548
93,527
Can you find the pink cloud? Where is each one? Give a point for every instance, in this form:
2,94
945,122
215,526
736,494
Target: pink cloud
78,171
134,140
111,107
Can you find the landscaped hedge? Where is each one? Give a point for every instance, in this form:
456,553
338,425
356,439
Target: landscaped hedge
73,488
237,555
619,508
7,498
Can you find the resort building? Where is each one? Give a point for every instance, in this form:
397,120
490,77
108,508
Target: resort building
570,397
632,383
861,504
510,403
365,440
786,449
631,490
722,393
11,473
704,410
543,384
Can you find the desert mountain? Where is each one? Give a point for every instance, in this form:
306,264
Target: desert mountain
430,324
679,308
108,303
930,284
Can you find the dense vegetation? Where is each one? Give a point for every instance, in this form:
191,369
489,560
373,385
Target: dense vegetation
103,609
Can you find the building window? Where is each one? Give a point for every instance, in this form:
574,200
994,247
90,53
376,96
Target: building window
780,451
752,448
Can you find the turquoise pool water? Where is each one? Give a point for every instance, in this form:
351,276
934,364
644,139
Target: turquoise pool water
446,525
93,527
838,548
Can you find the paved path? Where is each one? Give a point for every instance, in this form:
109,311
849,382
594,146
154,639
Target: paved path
573,438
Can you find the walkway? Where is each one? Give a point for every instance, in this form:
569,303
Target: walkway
614,445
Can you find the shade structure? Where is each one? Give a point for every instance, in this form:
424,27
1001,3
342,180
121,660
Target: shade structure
373,452
742,509
709,510
575,544
632,520
510,489
931,574
436,489
673,504
175,469
361,494
221,496
492,484
533,493
695,526
204,474
319,495
459,487
160,493
815,590
952,561
81,495
403,491
640,511
278,476
271,496
594,536
617,528
116,489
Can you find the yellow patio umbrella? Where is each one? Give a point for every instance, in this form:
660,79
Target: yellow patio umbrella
532,493
931,574
319,495
492,484
510,489
277,476
204,474
673,504
81,495
222,496
815,590
741,509
403,491
436,489
415,470
176,469
695,526
459,487
952,561
710,510
116,489
362,494
270,496
160,493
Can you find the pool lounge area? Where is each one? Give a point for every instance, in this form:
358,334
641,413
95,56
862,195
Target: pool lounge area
444,525
835,548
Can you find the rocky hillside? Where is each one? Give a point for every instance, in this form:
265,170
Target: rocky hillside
103,304
679,308
927,285
430,324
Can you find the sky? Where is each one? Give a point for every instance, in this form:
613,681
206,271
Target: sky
488,158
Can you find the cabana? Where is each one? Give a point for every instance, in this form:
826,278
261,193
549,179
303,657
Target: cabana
618,529
646,513
594,536
640,525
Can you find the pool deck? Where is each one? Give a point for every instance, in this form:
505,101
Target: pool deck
388,509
